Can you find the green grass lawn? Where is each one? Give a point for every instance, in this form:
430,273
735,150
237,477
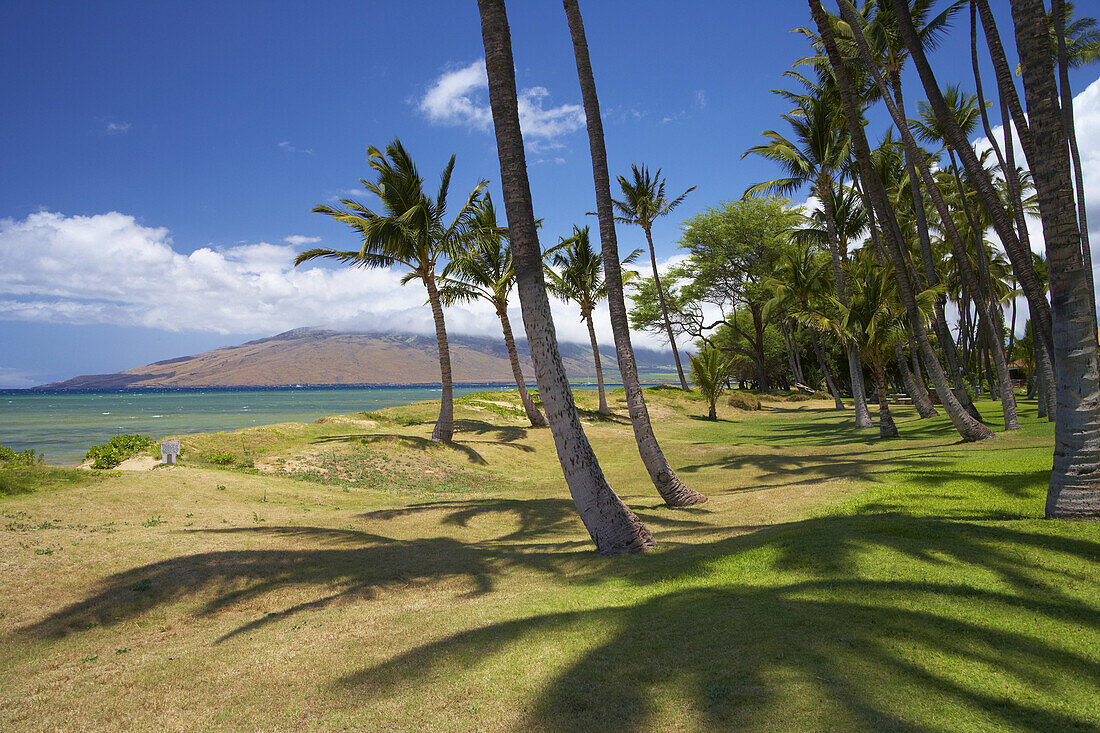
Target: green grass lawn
351,574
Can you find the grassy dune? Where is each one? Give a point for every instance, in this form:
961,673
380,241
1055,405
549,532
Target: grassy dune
351,574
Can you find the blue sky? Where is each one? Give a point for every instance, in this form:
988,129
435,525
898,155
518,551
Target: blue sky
161,158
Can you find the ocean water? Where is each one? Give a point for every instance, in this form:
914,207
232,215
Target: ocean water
63,425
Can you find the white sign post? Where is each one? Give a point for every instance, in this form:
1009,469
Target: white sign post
169,449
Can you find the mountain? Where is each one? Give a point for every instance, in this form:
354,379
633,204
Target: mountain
309,356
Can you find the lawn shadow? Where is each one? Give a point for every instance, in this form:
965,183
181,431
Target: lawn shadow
407,441
501,433
843,649
536,519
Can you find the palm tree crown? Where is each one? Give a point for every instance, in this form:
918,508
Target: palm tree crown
409,232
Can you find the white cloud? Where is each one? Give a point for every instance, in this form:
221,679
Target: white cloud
287,147
110,269
298,240
461,98
118,128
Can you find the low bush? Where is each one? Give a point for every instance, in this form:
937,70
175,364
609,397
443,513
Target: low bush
8,457
744,401
222,459
117,449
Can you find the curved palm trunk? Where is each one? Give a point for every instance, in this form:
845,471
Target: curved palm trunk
1057,8
918,377
613,527
916,390
825,370
537,419
664,311
795,375
603,410
921,401
444,426
855,367
939,323
797,356
933,190
988,311
1018,253
886,426
969,428
1075,479
1044,366
674,491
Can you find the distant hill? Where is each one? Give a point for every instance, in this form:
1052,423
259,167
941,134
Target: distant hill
310,356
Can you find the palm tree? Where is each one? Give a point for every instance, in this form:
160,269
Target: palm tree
1076,44
875,322
484,269
1075,479
581,281
613,527
817,157
674,491
411,233
709,370
1001,220
643,202
947,223
802,289
968,427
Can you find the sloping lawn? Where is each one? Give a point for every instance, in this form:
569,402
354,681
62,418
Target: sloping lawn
353,575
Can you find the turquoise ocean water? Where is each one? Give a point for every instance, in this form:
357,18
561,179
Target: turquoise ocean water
63,425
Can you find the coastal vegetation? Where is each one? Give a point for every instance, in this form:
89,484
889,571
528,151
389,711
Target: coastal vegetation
117,449
421,567
752,288
366,572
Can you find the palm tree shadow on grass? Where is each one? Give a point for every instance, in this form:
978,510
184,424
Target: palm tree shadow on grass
861,641
536,519
409,441
839,649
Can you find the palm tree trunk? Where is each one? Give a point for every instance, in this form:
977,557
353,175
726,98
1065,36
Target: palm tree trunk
537,419
855,367
918,377
1018,253
969,428
674,491
444,426
613,527
886,426
921,401
664,312
946,220
1075,479
801,374
1057,8
603,410
939,323
989,310
829,383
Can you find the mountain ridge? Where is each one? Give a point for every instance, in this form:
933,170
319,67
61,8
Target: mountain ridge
319,357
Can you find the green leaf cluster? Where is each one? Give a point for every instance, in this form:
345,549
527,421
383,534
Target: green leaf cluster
117,449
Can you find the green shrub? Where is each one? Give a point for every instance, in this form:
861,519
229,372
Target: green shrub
744,401
222,459
8,457
799,397
117,449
